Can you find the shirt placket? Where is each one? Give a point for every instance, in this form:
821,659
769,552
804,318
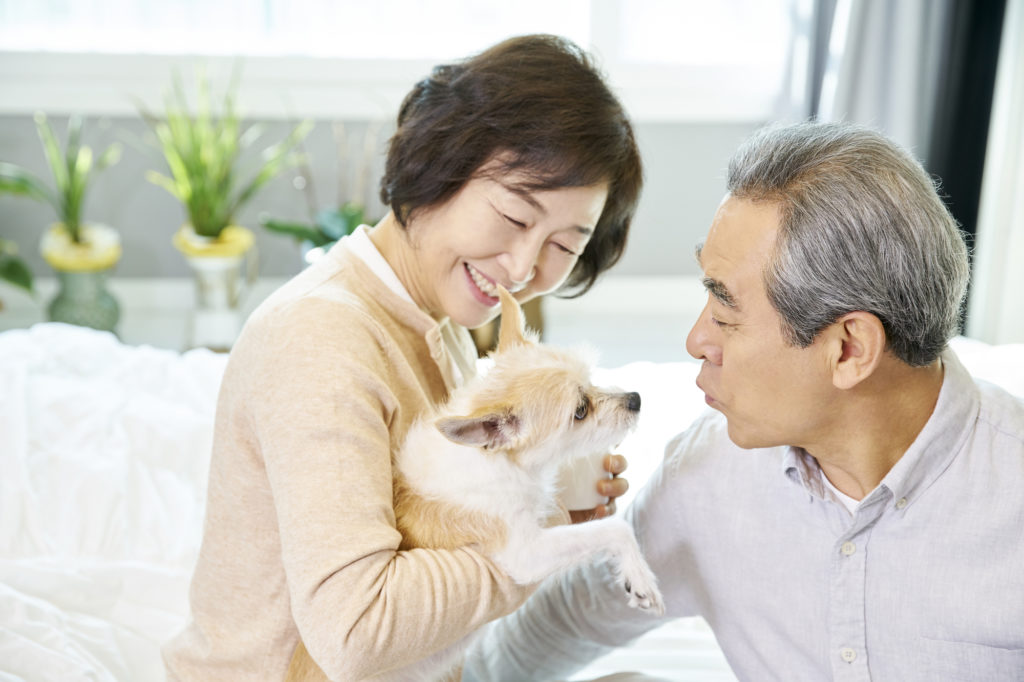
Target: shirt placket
847,632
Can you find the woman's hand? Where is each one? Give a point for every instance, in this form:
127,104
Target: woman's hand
610,487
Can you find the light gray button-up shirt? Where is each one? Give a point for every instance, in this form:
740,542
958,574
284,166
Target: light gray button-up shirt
924,582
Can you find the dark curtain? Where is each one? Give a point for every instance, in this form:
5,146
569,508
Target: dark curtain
821,32
963,106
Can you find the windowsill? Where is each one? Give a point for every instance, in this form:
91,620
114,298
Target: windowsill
337,89
154,311
624,318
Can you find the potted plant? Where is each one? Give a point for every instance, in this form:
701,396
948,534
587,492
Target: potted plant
204,152
81,253
327,226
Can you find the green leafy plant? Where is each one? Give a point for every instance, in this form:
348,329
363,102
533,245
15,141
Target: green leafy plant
72,172
203,152
13,269
327,227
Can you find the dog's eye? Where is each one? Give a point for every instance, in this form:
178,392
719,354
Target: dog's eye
581,410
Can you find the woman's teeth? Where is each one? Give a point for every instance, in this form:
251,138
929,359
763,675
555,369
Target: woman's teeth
482,282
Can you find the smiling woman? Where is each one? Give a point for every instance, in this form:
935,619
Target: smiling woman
300,518
528,255
481,118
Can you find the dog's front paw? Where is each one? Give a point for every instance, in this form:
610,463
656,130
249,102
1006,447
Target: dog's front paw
642,588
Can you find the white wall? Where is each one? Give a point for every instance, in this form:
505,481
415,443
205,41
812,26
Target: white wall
685,179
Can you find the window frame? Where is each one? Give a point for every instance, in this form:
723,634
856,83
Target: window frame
292,87
330,88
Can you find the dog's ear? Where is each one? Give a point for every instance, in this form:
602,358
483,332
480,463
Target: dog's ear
511,333
493,430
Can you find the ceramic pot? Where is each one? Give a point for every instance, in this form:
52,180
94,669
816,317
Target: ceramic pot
82,270
222,270
83,299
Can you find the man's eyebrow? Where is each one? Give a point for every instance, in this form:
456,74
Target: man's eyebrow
720,292
713,286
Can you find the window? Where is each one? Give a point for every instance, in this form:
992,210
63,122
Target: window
669,59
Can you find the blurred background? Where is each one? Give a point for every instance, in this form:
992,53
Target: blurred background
943,77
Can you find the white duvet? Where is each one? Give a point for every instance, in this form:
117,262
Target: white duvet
104,451
103,457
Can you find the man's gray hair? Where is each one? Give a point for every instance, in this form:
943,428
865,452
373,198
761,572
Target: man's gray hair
862,228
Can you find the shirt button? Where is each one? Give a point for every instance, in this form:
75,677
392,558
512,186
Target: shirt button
848,655
901,503
848,549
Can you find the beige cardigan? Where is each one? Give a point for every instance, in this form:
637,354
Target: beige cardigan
300,536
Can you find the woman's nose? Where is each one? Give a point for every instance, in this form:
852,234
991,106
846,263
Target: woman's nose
520,261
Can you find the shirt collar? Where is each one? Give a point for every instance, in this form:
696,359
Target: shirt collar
942,437
802,469
360,244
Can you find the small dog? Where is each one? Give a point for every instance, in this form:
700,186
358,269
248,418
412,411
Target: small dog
482,470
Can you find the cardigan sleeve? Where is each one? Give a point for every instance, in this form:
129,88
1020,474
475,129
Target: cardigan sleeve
324,402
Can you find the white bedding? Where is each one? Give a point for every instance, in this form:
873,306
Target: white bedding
103,456
103,453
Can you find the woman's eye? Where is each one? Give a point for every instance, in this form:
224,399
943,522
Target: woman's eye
517,223
565,249
718,323
582,410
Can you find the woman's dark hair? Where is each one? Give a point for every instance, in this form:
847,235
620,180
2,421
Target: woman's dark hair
535,104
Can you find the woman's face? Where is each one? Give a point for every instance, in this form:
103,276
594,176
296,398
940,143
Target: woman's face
490,233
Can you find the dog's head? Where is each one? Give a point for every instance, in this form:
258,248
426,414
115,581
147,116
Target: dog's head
537,404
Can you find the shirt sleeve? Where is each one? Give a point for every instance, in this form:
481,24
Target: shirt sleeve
321,409
582,614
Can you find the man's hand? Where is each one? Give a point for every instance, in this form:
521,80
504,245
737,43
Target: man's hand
611,488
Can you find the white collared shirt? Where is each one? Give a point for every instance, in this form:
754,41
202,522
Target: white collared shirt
923,582
360,244
844,499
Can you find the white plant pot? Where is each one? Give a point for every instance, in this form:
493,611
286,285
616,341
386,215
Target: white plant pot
222,270
216,318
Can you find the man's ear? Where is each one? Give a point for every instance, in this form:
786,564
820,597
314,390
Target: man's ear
493,430
856,344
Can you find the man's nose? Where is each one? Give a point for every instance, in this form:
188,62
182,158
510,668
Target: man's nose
702,342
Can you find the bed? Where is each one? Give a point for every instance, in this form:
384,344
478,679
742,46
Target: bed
103,455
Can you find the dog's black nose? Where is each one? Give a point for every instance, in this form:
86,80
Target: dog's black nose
633,401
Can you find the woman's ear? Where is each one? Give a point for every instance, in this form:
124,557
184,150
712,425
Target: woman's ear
858,342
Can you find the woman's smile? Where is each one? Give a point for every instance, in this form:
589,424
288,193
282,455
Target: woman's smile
482,287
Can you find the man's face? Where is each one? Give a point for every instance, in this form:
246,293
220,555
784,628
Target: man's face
770,392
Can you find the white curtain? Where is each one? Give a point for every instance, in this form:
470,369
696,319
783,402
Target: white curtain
882,66
996,306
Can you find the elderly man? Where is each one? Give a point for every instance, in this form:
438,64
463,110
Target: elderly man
852,506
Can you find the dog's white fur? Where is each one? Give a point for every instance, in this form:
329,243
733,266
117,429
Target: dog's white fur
483,470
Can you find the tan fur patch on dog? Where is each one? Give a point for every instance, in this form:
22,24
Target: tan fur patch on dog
441,525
